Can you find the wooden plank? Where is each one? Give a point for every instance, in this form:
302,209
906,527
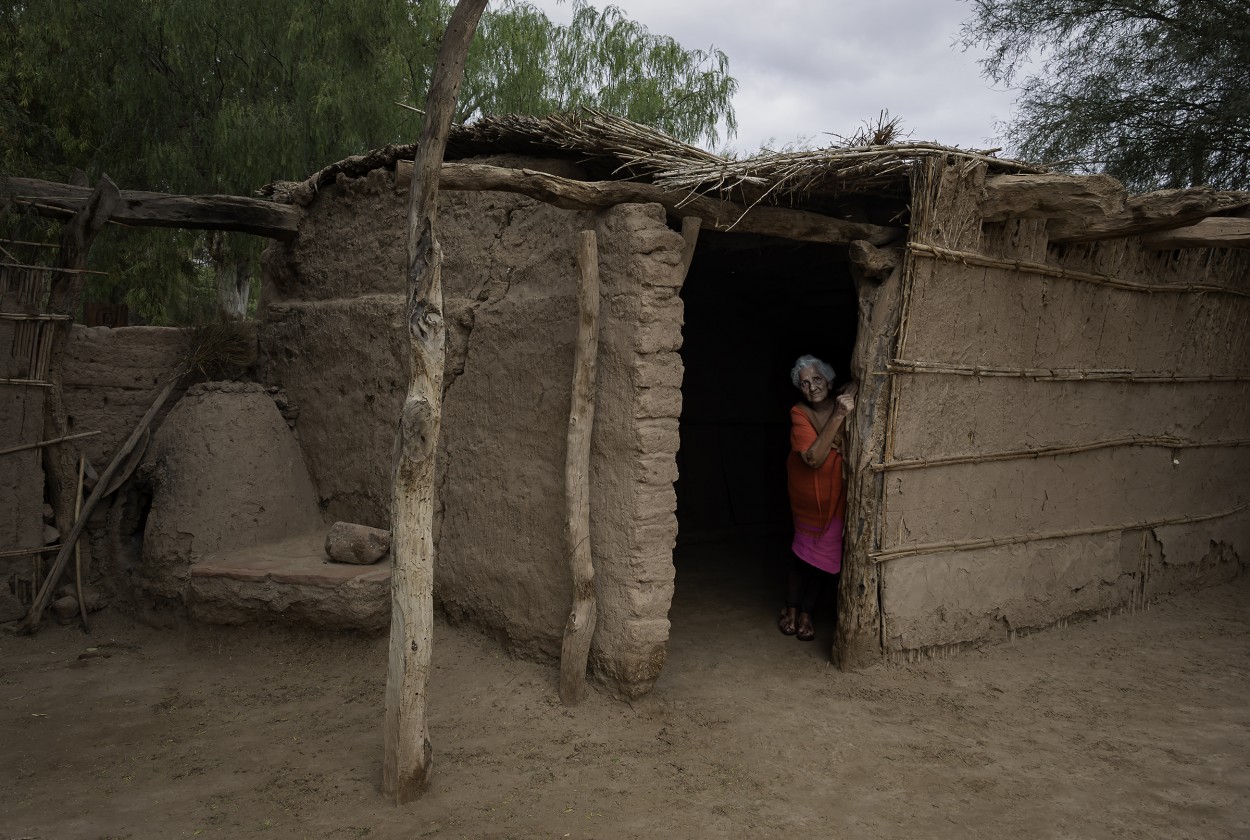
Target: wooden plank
580,628
153,209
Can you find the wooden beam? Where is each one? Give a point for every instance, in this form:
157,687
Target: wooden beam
579,630
1087,208
153,209
781,222
1212,232
1050,196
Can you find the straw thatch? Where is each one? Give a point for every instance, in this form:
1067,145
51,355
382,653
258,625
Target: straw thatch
615,148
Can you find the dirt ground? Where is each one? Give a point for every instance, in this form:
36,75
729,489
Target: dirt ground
1135,726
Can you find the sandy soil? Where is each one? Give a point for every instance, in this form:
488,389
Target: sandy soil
1136,726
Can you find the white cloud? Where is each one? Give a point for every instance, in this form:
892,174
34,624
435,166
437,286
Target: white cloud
805,68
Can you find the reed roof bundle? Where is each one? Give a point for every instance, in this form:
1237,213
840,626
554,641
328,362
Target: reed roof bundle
615,148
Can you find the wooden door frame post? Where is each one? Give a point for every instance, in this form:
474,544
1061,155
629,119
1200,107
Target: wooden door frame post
407,754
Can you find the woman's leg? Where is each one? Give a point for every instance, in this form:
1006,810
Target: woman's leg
812,584
795,574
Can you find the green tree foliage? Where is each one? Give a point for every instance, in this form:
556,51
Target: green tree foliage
1154,92
224,96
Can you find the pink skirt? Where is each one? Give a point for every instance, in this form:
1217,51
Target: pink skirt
823,550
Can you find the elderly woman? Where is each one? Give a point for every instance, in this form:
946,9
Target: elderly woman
817,491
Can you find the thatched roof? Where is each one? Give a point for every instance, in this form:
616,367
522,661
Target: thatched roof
614,148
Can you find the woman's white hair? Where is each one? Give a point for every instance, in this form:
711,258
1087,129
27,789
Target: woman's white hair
826,369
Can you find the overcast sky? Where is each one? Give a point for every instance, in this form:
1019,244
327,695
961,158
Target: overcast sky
806,67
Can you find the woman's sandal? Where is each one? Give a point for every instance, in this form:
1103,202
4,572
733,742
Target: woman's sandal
786,624
804,630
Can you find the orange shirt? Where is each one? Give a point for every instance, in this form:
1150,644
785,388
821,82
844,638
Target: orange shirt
817,496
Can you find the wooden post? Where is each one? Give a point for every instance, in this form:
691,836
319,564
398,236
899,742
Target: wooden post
580,628
858,642
407,754
65,298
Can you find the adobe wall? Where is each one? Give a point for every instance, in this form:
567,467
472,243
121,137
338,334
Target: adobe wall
1114,510
109,378
332,336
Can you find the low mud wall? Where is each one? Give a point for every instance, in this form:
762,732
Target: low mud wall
109,378
332,336
1145,389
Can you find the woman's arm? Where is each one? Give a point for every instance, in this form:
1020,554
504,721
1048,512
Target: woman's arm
818,452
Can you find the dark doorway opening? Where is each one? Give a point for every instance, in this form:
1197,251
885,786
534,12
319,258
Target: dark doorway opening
751,308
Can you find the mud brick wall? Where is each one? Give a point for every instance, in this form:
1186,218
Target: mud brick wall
110,378
332,336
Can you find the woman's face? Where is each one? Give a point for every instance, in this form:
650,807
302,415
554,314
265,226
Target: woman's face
815,387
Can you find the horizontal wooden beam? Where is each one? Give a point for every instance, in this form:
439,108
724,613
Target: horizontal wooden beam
1213,232
153,209
1087,208
1050,196
781,222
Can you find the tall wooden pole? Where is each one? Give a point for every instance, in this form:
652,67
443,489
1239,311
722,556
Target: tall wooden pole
65,298
407,754
580,628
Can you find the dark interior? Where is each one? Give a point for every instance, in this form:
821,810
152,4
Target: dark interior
752,306
749,314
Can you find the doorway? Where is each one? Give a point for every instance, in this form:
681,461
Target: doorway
752,306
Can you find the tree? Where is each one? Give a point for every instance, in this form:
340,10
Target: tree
1153,92
224,96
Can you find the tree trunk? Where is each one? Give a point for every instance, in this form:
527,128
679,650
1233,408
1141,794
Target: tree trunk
580,628
233,267
407,753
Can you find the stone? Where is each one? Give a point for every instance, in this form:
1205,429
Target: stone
65,608
11,609
50,535
361,545
49,515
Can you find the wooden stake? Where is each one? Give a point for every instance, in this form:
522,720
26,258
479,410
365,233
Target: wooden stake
64,299
82,602
1016,539
580,629
42,443
1164,441
1045,270
31,622
407,754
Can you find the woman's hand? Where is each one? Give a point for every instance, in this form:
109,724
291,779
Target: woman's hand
846,398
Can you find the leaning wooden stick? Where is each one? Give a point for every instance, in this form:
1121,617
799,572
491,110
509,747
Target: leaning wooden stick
42,443
580,628
31,622
82,602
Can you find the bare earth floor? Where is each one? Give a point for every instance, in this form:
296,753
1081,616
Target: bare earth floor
1137,726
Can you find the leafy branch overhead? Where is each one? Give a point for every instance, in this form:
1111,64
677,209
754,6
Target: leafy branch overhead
1154,92
224,96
